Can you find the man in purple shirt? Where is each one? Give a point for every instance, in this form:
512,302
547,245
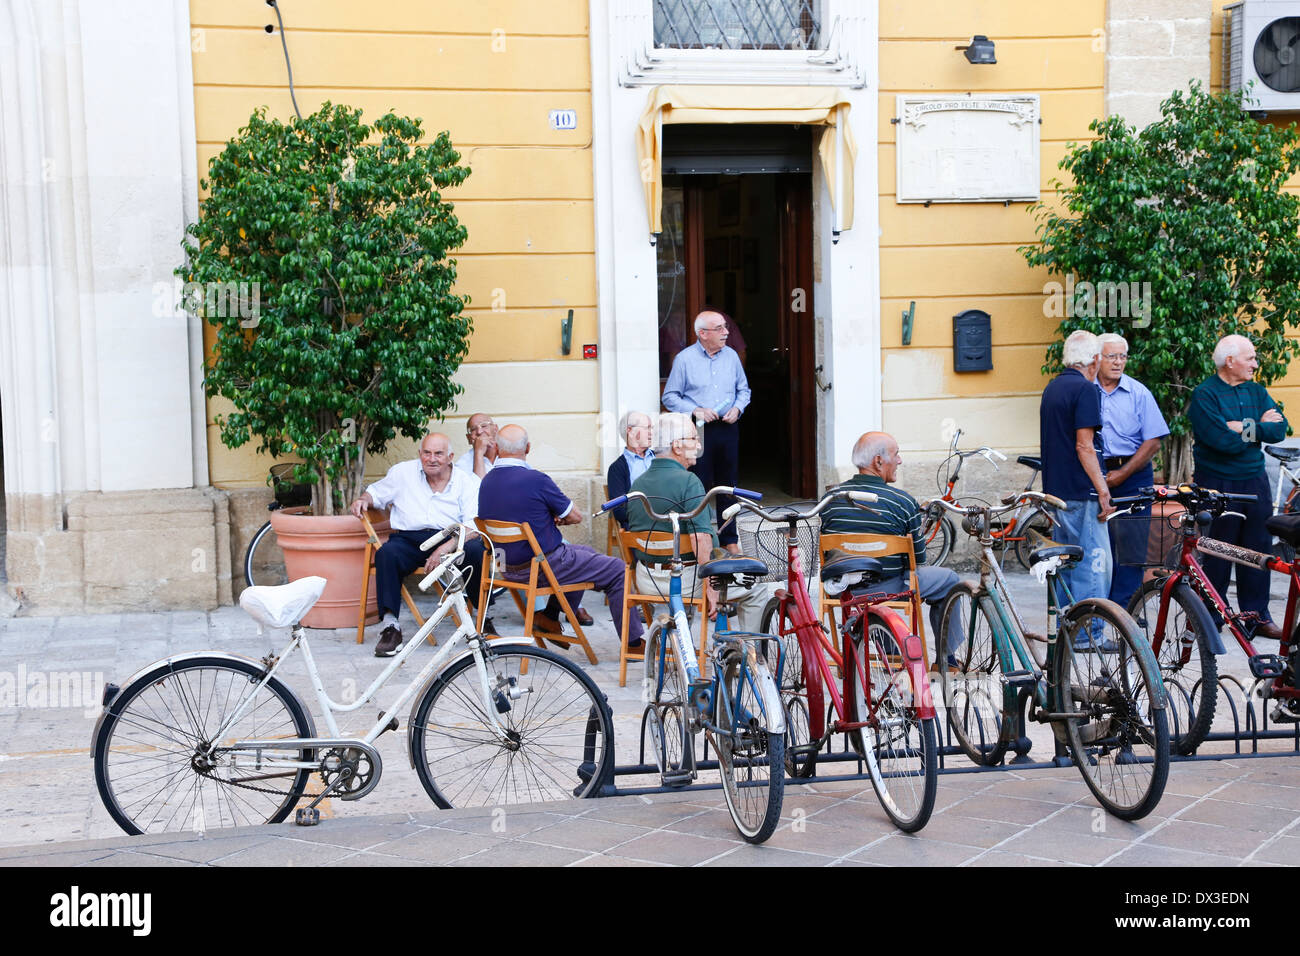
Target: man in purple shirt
512,491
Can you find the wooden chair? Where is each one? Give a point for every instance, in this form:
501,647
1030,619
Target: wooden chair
612,545
500,533
373,541
876,546
659,545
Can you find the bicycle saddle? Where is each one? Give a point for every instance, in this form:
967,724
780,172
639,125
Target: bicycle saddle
839,565
722,567
282,605
1029,461
1286,527
1071,552
1281,453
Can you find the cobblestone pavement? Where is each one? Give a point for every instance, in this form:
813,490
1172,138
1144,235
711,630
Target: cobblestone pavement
1230,812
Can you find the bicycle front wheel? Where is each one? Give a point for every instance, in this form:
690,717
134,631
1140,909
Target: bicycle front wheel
939,536
751,759
160,770
1120,738
663,689
1028,534
970,672
1188,666
558,734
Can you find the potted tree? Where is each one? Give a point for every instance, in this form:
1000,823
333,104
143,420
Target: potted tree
331,237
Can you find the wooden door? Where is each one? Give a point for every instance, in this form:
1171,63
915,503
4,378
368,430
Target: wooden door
796,333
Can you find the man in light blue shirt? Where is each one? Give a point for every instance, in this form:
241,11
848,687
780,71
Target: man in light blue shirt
1131,429
708,382
638,432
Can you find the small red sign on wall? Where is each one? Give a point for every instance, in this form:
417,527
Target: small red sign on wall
589,351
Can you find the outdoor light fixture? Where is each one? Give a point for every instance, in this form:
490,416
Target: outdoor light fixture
979,50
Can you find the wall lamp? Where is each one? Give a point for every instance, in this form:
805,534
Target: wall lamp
979,50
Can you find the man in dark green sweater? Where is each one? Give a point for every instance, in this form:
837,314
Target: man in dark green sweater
1231,416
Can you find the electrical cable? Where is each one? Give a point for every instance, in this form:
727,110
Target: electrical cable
287,65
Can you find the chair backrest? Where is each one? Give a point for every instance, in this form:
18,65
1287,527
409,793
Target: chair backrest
870,546
371,536
656,544
508,532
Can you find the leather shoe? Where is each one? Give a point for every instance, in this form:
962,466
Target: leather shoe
390,639
546,624
1268,629
584,618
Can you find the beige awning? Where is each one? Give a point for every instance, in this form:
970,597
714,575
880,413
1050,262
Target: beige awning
813,106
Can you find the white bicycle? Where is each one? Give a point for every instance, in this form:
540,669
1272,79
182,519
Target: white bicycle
210,739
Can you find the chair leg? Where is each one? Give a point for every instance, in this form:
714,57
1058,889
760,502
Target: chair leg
365,593
415,613
580,637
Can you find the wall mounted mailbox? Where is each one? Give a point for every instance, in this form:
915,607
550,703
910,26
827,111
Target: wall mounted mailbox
972,341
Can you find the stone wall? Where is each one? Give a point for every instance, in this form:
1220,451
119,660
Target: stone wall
1153,47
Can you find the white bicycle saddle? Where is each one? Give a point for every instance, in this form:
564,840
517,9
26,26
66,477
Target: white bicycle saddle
282,605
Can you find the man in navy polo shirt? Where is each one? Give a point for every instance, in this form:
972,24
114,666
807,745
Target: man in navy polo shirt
512,491
1069,423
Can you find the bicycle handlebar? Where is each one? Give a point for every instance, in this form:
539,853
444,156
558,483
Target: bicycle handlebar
858,498
704,503
1009,503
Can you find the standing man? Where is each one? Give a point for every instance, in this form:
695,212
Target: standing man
1069,426
1231,416
512,491
481,434
1131,429
637,432
708,382
425,495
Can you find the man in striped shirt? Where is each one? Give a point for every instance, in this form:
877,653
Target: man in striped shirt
876,457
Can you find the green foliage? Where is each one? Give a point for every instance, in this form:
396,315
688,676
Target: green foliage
343,228
1194,205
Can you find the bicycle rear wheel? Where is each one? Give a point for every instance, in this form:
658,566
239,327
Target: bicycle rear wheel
971,676
663,688
939,536
1120,740
559,734
1025,537
1188,666
901,749
750,757
264,559
158,767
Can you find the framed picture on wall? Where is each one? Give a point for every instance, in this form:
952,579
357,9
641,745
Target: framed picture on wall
729,205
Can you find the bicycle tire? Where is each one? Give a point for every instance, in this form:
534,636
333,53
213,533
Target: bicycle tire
1026,543
750,757
158,726
797,734
791,678
1188,627
901,750
560,732
939,536
665,699
1122,745
263,559
971,682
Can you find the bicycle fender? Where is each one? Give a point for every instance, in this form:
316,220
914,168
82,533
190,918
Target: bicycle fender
768,692
913,654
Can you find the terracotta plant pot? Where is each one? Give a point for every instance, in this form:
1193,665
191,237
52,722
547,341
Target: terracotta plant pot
332,547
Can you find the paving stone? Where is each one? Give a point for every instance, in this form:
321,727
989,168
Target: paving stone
998,858
1185,834
908,850
1146,855
598,859
954,827
509,824
750,855
830,840
1067,847
1267,820
124,858
585,834
1257,794
282,852
680,849
519,853
1285,850
436,845
205,850
1005,809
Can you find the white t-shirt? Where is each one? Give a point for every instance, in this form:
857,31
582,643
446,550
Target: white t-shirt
417,507
466,462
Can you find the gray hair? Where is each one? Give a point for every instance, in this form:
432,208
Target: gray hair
1229,346
1111,338
625,422
1081,348
508,447
671,427
869,447
700,321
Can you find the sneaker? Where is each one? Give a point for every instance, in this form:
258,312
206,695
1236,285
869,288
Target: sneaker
390,639
1094,646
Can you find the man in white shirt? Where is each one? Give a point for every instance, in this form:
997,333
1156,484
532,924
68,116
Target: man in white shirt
481,433
425,496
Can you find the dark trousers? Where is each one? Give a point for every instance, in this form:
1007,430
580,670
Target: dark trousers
1252,584
400,555
1127,578
718,464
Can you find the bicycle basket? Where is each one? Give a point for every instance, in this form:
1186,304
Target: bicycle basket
765,540
1150,539
287,493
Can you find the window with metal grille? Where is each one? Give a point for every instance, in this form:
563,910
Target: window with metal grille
737,24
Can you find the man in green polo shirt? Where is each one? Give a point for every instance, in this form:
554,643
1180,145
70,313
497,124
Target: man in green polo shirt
670,487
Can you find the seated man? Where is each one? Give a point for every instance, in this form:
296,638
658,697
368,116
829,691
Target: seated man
425,496
512,491
876,456
636,430
670,487
481,434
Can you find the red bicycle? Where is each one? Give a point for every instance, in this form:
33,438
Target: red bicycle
883,703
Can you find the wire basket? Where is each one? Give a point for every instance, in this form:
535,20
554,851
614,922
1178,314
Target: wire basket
287,493
1151,539
765,540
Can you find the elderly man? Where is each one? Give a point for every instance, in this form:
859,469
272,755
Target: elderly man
1231,416
876,457
670,487
512,491
481,434
1069,427
708,381
637,431
425,496
1131,429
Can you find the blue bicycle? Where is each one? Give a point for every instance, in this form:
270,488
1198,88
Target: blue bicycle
738,707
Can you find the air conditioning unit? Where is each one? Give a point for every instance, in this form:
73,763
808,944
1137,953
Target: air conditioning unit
1262,48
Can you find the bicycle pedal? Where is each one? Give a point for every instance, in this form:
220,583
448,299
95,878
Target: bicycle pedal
676,778
1020,679
1267,665
1281,715
307,816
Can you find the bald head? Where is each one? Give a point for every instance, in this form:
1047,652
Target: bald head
711,331
435,455
512,442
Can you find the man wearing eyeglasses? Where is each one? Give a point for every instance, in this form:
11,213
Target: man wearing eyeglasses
708,382
1131,429
481,433
636,459
425,496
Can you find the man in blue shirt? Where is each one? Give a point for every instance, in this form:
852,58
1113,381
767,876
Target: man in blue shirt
637,431
1069,420
708,382
512,491
1131,429
1231,416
